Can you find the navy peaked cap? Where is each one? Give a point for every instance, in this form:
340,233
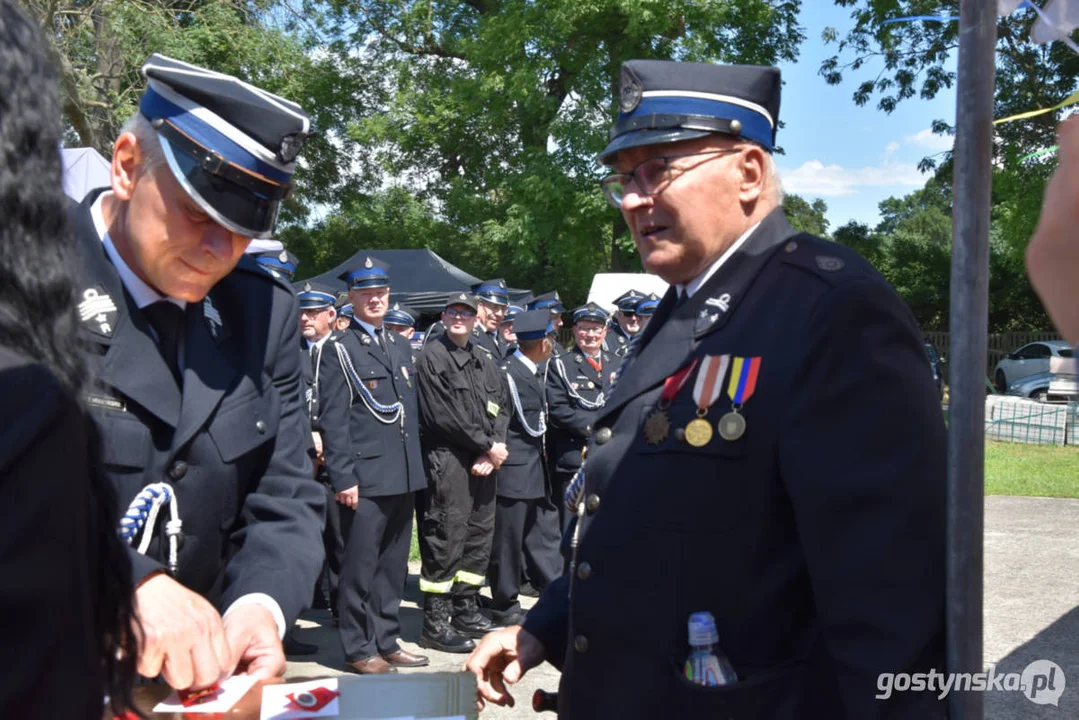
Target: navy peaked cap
592,312
550,301
662,101
371,273
511,312
230,145
493,291
315,297
279,263
629,300
400,315
647,307
533,325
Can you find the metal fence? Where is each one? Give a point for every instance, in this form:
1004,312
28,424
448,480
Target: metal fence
999,345
1015,419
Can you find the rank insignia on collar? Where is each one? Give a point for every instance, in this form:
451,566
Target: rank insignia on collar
578,359
213,317
98,312
723,302
365,339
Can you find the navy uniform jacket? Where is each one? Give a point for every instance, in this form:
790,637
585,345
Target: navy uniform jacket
233,445
309,359
571,421
522,476
616,341
382,458
494,345
816,539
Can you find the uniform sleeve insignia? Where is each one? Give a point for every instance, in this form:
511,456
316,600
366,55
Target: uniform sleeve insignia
98,312
829,263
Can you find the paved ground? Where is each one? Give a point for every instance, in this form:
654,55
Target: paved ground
1031,611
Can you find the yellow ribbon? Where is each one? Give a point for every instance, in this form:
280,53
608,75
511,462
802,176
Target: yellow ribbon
1070,100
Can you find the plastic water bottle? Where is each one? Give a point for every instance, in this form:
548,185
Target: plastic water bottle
706,664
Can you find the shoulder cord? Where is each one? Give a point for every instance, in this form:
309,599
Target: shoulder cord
521,414
584,404
377,409
142,515
314,385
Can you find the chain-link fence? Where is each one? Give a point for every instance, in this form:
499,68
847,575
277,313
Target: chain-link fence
1015,419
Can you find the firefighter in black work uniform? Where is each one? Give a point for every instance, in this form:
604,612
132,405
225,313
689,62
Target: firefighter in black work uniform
464,415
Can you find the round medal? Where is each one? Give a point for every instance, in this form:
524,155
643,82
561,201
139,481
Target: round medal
731,426
306,700
698,432
657,427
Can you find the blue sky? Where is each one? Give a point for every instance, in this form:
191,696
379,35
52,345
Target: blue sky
851,157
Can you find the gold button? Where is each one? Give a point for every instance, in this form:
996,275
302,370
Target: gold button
591,503
580,643
584,571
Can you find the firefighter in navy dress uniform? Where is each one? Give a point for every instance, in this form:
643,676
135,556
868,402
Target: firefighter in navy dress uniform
277,261
194,350
522,480
494,300
624,324
773,451
370,439
646,309
551,301
577,387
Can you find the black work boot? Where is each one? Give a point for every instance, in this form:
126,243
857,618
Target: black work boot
467,618
438,633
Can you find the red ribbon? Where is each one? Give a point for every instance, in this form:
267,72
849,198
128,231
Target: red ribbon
674,384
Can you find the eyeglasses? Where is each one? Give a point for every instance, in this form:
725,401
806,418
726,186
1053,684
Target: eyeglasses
627,314
466,314
651,176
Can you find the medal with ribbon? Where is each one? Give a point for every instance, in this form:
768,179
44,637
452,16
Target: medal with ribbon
706,390
658,425
743,382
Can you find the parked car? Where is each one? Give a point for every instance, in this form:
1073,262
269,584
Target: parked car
1034,386
1031,359
935,362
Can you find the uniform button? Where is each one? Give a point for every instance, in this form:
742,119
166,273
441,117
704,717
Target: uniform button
603,435
261,427
177,470
584,453
580,643
591,503
584,571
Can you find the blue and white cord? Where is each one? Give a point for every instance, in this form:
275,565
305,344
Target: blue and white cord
521,413
378,410
141,516
584,404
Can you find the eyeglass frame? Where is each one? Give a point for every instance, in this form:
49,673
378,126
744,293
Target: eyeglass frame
662,185
463,314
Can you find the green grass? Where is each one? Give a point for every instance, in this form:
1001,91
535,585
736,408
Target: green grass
1041,470
414,549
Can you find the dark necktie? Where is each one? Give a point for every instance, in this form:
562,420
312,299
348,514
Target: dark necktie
682,297
381,338
168,322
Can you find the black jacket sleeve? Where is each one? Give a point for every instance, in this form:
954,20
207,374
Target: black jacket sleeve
564,412
441,411
334,403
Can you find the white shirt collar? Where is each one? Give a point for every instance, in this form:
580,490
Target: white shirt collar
318,343
527,363
698,282
140,292
369,328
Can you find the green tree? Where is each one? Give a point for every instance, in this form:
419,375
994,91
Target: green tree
805,216
493,111
860,238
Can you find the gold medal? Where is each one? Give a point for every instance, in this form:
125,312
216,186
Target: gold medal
657,427
698,432
731,426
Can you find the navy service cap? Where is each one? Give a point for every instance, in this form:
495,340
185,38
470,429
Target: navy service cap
346,311
372,273
512,312
231,146
492,291
533,325
314,298
401,315
463,298
629,300
279,263
663,101
549,301
591,312
647,307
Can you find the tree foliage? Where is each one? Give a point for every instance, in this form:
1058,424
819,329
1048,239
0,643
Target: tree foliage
805,216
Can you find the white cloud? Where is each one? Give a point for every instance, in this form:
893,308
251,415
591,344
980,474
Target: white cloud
817,179
927,139
891,148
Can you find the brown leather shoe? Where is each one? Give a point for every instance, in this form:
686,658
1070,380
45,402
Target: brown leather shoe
373,665
403,658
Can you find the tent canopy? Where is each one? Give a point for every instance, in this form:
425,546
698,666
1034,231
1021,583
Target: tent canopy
84,170
419,278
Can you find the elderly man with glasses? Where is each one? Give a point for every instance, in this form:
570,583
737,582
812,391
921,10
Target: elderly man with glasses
772,453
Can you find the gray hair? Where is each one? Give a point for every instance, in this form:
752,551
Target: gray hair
149,143
773,186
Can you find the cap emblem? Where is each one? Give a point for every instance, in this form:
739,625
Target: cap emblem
632,91
283,257
368,264
307,287
291,145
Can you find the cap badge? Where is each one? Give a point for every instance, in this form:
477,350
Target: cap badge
283,257
98,311
307,287
291,145
632,91
396,306
462,296
368,264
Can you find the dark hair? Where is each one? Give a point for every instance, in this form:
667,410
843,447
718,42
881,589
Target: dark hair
529,345
37,301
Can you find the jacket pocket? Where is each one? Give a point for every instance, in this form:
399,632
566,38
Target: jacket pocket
774,693
125,441
241,425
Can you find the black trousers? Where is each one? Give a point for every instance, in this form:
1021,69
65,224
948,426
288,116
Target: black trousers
373,572
334,544
458,522
515,522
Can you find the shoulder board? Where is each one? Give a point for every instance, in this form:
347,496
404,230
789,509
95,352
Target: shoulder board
830,261
248,266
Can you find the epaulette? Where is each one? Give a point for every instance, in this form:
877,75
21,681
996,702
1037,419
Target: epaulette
821,258
248,265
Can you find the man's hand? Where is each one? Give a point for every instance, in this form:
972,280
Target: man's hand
180,635
1053,254
503,656
483,466
349,498
256,649
498,454
317,440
